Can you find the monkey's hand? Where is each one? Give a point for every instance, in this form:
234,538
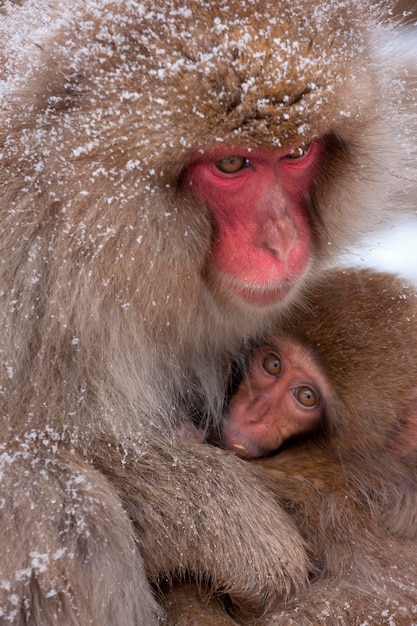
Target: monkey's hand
201,512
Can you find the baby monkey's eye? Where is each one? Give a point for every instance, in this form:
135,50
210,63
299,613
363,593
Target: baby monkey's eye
232,164
306,396
272,364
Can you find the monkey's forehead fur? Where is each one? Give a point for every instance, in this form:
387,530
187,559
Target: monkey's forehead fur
242,72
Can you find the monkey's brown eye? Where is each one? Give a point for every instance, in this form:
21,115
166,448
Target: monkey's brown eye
298,152
232,164
272,364
306,396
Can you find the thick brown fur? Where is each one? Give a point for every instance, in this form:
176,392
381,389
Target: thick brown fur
352,487
356,499
110,333
365,572
407,9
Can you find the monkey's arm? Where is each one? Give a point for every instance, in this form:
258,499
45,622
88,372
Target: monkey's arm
198,510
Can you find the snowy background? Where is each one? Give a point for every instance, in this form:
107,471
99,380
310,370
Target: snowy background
393,250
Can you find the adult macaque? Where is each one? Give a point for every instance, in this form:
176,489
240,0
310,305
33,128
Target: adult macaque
171,173
351,484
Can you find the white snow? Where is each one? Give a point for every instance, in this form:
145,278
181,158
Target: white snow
393,250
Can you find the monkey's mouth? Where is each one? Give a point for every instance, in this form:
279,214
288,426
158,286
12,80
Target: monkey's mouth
245,448
257,295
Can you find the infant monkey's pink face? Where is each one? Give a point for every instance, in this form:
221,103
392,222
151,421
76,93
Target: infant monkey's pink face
283,394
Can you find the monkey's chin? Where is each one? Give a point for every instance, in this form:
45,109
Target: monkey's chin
242,447
258,295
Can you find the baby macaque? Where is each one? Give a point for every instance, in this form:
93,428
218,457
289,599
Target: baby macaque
283,394
293,380
352,484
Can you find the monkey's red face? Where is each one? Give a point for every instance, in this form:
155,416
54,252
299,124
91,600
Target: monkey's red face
259,202
283,394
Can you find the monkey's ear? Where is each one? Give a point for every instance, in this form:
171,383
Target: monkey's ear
405,442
